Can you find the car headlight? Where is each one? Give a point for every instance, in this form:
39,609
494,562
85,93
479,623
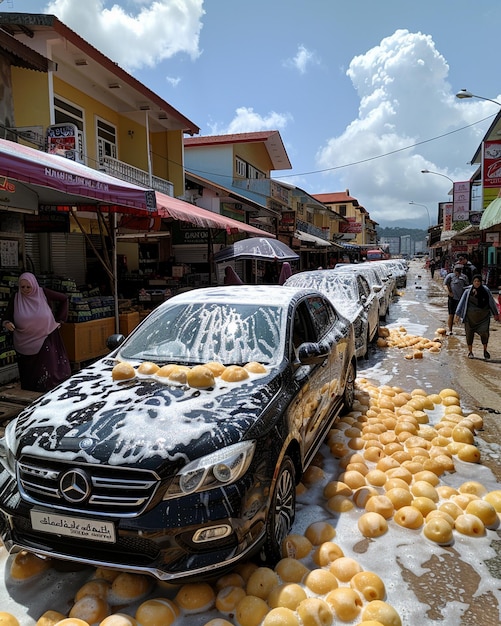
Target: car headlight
214,470
7,456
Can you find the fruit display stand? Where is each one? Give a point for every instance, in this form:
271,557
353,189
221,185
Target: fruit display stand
86,341
129,321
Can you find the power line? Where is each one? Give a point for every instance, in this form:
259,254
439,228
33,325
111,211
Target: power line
367,160
380,156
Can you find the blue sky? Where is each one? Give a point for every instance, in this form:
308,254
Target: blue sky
362,92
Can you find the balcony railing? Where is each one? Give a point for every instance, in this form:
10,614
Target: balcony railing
306,227
132,174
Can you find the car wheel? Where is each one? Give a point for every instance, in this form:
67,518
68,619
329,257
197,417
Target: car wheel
349,389
282,512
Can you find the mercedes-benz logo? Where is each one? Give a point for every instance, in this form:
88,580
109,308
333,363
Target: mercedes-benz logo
75,486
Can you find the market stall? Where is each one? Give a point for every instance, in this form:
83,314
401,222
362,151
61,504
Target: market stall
41,184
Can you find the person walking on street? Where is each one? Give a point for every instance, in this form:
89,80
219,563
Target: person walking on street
468,268
475,309
433,267
455,283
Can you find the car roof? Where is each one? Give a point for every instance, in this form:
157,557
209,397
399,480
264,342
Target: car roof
273,295
320,275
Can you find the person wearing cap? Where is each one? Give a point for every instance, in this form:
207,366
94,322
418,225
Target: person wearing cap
468,268
455,283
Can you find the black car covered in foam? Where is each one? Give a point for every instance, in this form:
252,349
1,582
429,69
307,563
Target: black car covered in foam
153,474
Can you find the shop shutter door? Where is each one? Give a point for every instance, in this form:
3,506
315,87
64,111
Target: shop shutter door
32,253
190,253
68,256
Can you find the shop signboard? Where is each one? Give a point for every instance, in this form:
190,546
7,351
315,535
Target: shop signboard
461,201
350,226
491,164
287,222
445,208
492,238
62,139
15,196
184,233
48,220
491,171
475,218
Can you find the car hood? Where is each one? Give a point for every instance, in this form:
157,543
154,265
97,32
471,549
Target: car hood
94,419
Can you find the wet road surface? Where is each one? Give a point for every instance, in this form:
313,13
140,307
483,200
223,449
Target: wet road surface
426,583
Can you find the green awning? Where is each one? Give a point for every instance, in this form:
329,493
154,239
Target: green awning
491,215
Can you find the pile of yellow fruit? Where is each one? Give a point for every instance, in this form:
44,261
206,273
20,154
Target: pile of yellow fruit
393,460
415,345
392,463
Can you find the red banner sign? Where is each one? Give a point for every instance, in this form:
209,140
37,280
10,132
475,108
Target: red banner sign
491,164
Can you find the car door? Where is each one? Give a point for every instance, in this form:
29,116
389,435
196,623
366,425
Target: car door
312,319
382,293
370,303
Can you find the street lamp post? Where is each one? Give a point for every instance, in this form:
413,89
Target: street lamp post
464,93
425,207
443,176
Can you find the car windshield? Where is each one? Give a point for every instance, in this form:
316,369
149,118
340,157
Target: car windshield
193,333
337,288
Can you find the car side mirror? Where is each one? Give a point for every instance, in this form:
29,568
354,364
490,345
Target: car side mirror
114,341
311,353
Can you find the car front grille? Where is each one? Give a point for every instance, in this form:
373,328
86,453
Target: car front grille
86,488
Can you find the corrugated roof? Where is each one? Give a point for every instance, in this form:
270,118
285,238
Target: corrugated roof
255,137
22,56
336,197
270,138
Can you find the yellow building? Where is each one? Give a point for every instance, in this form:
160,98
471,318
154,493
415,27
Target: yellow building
359,228
121,125
82,105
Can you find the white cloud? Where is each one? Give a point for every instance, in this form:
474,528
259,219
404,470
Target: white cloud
246,120
174,81
145,34
405,99
302,60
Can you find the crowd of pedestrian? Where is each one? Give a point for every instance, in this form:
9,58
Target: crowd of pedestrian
469,301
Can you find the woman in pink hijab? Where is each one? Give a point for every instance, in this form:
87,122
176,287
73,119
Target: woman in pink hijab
231,277
285,273
41,356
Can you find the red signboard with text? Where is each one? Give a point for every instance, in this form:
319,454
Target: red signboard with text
491,170
351,226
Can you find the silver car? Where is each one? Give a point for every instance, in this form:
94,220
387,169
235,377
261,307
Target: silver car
381,286
352,296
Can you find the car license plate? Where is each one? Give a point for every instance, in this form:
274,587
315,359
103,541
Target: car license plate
77,527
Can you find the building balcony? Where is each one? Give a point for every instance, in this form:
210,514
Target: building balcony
132,174
259,189
306,227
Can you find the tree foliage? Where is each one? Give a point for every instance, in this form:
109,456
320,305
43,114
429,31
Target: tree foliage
416,234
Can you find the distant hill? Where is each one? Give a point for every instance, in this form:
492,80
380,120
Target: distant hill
416,234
